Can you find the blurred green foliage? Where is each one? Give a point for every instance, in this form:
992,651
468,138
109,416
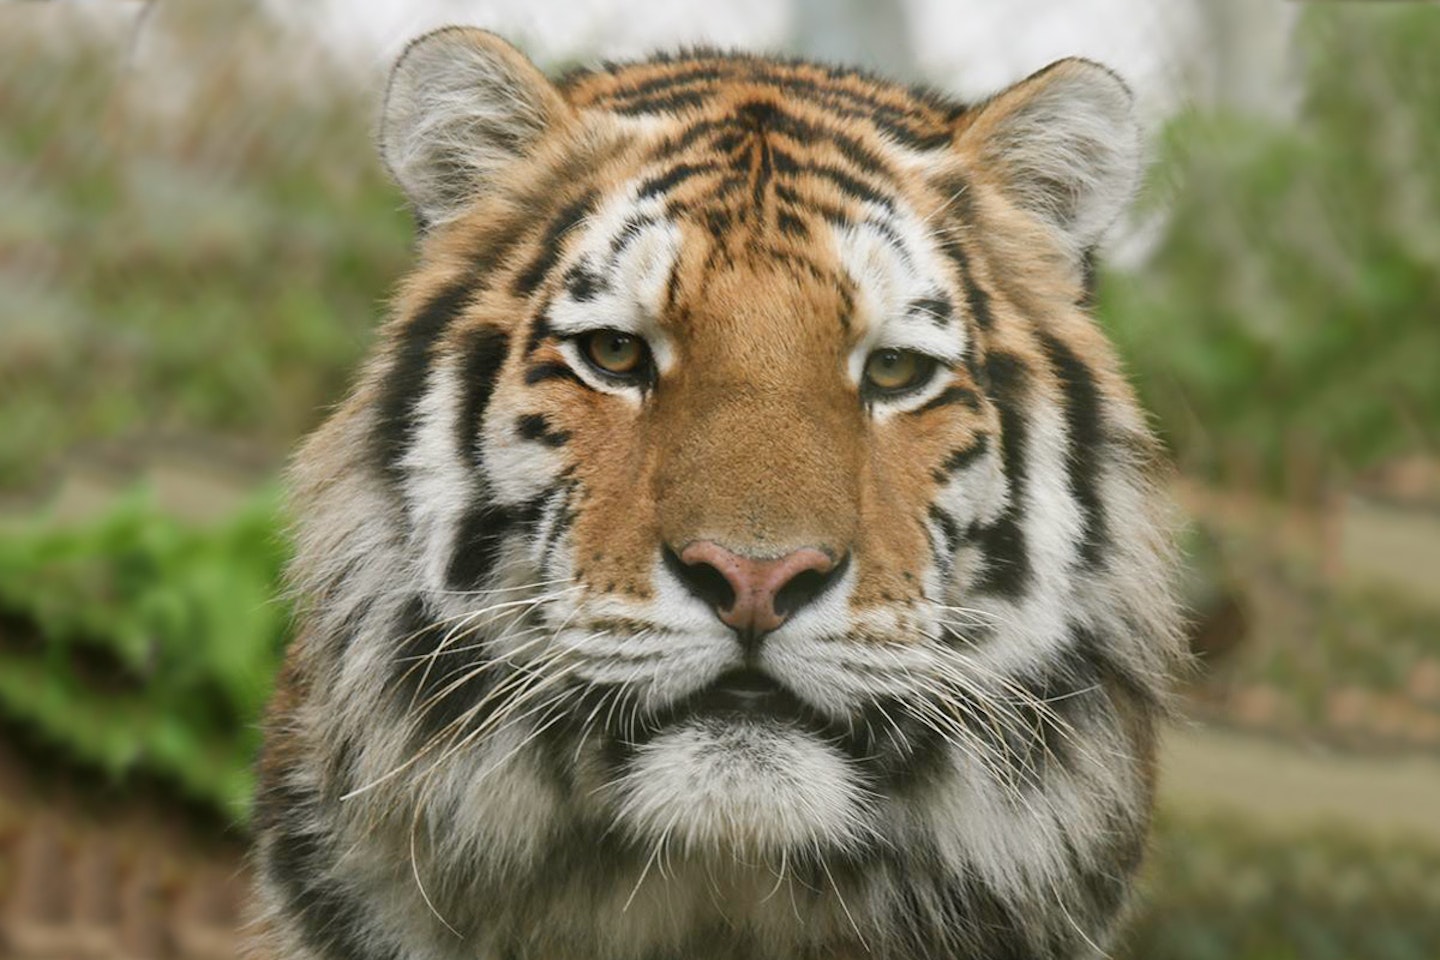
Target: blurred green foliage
1287,331
139,642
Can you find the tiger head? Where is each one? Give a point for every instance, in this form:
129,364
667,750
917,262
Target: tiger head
741,483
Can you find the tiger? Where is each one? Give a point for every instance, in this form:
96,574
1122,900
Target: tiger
742,541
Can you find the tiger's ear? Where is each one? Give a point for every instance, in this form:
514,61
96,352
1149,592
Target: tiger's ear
1064,145
461,105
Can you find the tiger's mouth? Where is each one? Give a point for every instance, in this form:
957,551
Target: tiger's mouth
743,696
748,693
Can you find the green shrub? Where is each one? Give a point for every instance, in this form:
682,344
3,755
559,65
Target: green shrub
142,643
1287,330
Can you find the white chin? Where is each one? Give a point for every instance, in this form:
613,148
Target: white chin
742,788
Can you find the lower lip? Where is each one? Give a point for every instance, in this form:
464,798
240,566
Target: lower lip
749,704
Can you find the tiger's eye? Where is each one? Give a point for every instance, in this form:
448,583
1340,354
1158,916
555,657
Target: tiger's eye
893,370
615,352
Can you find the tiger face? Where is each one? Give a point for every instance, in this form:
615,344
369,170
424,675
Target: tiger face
741,499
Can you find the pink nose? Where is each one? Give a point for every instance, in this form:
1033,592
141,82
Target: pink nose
762,593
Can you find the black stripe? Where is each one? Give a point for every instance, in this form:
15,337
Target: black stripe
937,309
1097,651
910,137
584,284
628,232
950,396
485,351
785,162
1090,280
898,123
903,124
482,532
300,863
669,102
897,750
694,132
1007,560
560,525
1086,441
704,72
977,299
829,213
1059,701
664,182
788,194
404,382
887,230
849,147
541,372
949,529
850,185
540,330
961,459
529,279
535,427
791,225
807,134
962,916
437,676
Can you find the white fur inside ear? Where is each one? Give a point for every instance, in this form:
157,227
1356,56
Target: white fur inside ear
461,104
1067,145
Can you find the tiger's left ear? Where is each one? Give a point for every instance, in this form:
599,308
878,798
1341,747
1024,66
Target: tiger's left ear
1064,145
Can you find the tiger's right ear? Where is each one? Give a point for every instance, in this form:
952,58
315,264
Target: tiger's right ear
461,104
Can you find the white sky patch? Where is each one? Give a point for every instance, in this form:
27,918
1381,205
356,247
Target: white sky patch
554,32
1173,51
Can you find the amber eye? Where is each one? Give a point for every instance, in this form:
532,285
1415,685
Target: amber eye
616,353
897,371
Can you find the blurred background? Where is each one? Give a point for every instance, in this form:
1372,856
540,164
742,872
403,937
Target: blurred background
196,245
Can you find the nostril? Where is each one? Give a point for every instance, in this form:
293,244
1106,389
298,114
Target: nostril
806,586
703,580
803,588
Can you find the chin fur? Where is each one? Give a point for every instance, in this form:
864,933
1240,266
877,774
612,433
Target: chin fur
745,789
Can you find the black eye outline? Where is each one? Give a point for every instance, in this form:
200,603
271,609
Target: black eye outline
641,375
925,370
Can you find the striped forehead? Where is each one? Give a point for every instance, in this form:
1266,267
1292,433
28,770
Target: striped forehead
905,296
619,270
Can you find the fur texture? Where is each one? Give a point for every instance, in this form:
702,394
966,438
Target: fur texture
493,737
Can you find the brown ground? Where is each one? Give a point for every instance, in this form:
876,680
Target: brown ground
88,873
